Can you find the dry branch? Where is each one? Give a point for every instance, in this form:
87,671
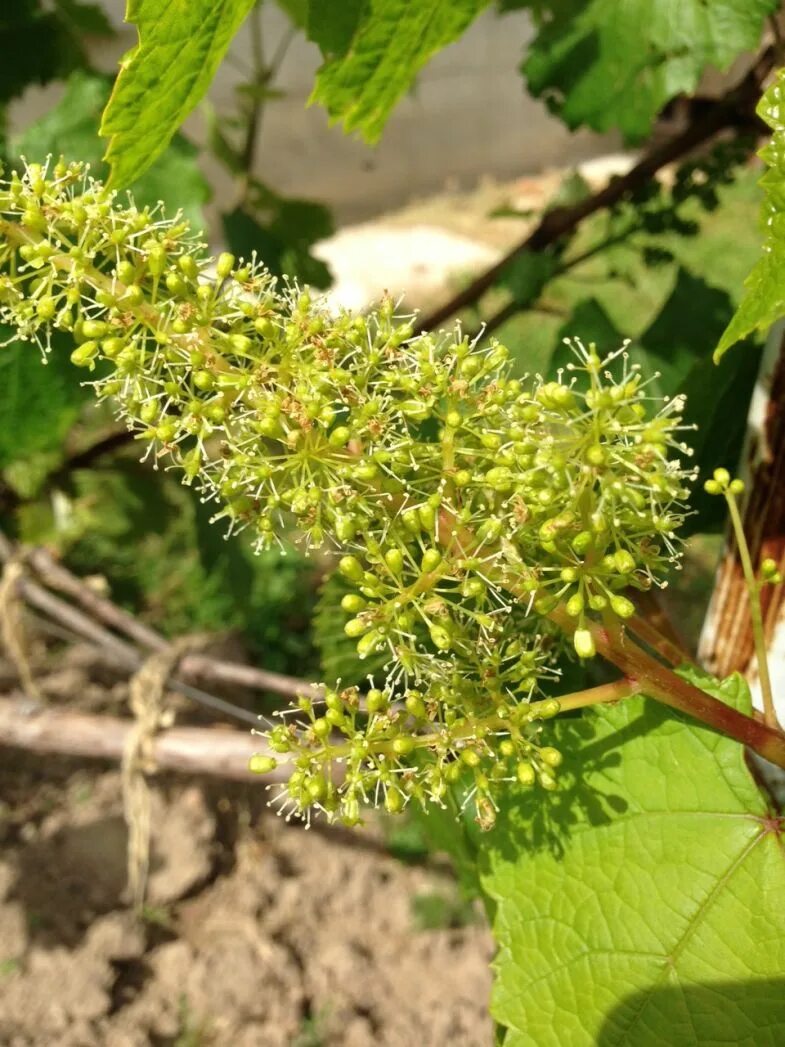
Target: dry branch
200,666
218,752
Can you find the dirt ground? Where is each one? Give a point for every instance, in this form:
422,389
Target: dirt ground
255,933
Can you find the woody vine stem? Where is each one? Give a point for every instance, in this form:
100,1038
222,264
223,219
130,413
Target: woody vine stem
486,522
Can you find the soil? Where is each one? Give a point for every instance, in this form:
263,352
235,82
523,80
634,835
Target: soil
255,933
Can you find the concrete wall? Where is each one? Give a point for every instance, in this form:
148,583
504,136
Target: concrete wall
468,117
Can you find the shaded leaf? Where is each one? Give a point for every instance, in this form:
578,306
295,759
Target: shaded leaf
591,323
181,45
657,876
36,48
391,42
284,239
678,345
332,26
87,18
612,65
38,404
297,10
674,354
527,274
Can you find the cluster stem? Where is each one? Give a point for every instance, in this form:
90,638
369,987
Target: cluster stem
663,684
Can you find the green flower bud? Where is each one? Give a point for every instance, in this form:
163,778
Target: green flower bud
624,561
351,568
427,515
415,410
187,266
224,265
393,800
411,521
345,528
440,638
525,773
552,757
149,412
375,701
241,343
156,260
340,436
353,603
94,328
584,643
547,781
126,272
356,627
770,572
430,560
369,643
261,764
85,354
394,560
403,745
621,606
46,307
415,706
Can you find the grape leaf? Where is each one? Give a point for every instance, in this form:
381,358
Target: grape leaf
181,44
70,129
38,404
332,26
282,237
297,10
653,883
87,18
764,299
36,46
612,65
391,42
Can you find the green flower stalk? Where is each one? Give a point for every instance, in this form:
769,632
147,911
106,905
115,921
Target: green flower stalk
465,504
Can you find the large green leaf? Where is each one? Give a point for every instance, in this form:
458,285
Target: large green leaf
374,67
181,44
70,129
764,299
644,906
611,64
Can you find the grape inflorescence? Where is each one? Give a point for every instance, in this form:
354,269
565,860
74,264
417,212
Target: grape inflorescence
465,504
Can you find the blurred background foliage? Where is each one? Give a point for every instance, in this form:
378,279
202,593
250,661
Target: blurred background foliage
664,268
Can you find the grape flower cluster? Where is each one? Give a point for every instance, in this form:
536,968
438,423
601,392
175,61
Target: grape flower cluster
465,504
